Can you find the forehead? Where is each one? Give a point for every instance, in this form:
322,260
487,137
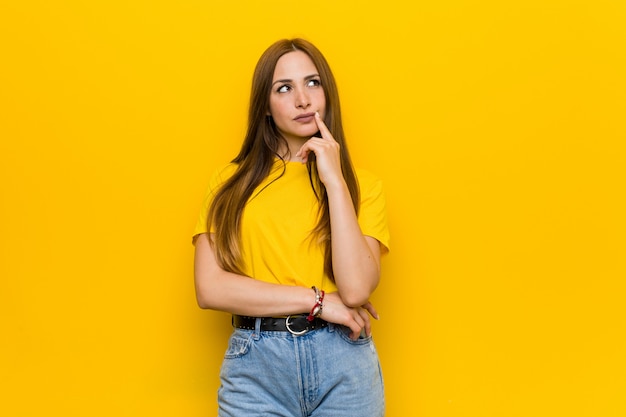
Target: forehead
294,65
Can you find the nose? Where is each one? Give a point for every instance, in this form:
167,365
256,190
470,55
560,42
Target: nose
302,99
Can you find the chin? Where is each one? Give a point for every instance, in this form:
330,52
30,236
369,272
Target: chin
310,132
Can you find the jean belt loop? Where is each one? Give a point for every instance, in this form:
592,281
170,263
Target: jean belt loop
331,327
257,328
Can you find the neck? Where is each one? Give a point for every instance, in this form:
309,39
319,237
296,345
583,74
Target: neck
293,146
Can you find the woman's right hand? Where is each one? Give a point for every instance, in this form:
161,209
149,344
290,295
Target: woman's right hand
355,318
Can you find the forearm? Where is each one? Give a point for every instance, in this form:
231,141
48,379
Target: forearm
356,261
217,289
355,258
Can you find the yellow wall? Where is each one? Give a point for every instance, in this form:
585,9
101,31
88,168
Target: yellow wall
497,126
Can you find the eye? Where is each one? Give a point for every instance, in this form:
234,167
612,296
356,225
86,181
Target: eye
314,83
283,89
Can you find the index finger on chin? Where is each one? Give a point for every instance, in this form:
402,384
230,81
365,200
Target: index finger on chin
322,127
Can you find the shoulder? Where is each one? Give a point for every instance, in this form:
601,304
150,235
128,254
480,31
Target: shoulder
368,181
219,176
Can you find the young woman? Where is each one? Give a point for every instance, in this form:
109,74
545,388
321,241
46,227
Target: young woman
289,242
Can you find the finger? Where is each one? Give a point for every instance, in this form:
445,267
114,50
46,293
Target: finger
369,307
362,320
303,152
356,330
367,323
316,145
322,127
311,145
361,317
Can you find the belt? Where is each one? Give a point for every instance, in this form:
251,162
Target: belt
296,325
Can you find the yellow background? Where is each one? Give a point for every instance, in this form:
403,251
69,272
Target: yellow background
497,126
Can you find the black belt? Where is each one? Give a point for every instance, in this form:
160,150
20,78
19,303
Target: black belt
295,325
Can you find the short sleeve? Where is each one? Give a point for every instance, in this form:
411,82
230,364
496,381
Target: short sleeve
373,211
218,178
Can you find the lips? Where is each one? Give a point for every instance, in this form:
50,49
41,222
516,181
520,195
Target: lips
304,117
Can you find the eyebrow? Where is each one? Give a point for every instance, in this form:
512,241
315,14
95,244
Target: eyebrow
307,78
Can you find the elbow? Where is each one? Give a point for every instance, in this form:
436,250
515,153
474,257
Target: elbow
356,298
357,295
204,299
354,302
203,303
358,292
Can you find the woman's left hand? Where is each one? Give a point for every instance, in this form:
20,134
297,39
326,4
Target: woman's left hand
355,318
326,150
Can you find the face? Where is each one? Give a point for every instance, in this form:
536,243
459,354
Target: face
295,96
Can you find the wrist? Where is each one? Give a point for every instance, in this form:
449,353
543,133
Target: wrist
336,186
316,310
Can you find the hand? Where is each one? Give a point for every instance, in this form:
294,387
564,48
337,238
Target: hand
357,319
326,150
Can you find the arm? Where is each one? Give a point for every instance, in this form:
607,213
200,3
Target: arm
217,289
356,258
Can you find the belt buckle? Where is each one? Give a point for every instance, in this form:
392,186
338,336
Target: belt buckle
294,332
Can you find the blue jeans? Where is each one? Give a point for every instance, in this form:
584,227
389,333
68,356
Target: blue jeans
320,374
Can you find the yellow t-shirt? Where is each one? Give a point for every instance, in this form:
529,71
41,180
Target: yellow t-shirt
278,219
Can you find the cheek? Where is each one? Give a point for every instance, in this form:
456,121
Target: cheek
321,100
276,108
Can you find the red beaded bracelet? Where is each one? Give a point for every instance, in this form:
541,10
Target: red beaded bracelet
316,311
